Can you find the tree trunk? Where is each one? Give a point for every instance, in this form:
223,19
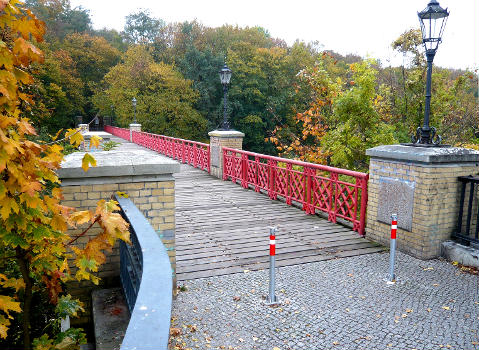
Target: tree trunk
27,302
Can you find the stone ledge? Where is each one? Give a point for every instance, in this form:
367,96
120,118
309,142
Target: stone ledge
467,256
424,155
117,164
226,133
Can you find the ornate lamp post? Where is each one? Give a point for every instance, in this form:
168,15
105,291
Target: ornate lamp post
433,20
133,101
225,77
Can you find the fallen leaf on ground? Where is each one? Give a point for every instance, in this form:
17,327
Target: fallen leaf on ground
236,298
428,268
335,343
446,307
174,332
276,348
241,339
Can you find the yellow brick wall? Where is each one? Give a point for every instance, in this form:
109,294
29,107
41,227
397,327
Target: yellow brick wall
230,142
435,208
156,200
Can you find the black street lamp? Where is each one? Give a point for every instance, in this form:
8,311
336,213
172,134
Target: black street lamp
225,77
133,101
433,20
113,121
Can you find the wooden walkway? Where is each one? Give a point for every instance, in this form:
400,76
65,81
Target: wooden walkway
222,228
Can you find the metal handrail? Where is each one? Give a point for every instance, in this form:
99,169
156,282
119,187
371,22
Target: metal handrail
189,152
150,302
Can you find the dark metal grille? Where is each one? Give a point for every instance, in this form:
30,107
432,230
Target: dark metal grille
131,267
467,229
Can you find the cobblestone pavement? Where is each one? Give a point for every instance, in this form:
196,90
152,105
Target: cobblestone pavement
336,304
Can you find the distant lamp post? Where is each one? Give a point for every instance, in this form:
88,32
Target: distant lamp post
113,121
433,20
133,101
225,77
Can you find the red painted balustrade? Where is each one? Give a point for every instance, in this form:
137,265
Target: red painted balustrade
122,133
194,153
338,192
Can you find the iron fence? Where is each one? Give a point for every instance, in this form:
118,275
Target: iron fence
467,230
147,281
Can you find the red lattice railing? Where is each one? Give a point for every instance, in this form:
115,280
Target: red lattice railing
338,192
194,153
122,133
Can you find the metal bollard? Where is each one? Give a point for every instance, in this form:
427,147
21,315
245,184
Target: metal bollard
272,299
392,250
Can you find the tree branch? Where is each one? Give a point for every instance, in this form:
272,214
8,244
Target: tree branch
83,233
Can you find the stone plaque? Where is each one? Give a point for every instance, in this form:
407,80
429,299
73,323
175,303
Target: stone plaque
396,196
215,155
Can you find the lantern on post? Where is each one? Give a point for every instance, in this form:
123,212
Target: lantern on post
225,77
433,21
133,102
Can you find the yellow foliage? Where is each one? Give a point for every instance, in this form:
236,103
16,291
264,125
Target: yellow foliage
34,224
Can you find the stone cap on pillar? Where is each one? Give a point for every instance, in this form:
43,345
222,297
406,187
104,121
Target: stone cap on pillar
424,155
117,167
135,125
226,133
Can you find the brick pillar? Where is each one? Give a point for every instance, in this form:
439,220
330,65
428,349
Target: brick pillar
218,140
134,127
148,180
84,127
421,185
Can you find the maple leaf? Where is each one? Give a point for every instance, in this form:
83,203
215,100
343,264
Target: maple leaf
74,136
80,217
87,161
16,283
9,304
95,141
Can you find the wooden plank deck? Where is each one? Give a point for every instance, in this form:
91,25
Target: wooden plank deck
222,228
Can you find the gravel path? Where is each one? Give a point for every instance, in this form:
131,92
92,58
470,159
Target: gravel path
336,304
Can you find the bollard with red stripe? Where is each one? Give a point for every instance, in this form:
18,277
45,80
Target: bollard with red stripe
392,250
272,299
272,243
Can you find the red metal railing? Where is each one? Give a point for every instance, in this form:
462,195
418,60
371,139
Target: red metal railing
122,133
314,186
194,153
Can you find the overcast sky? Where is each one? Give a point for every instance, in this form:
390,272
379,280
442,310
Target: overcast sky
347,26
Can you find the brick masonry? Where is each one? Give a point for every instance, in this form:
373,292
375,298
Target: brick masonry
218,140
435,204
156,200
147,179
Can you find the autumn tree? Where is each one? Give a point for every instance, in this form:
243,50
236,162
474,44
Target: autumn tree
34,242
165,98
60,18
342,120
